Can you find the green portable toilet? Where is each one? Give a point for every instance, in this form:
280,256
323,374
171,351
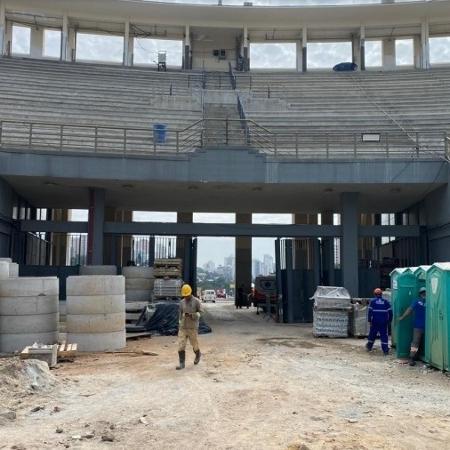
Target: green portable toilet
437,331
407,289
394,290
421,275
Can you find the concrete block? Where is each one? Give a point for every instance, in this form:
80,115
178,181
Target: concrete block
4,270
95,323
98,342
95,304
95,285
139,284
13,270
12,342
41,323
25,306
6,260
137,272
29,286
98,270
138,296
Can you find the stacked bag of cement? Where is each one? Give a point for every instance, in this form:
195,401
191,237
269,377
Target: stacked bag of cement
332,305
29,309
139,283
96,312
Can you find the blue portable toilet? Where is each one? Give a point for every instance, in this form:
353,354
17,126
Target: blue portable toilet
159,133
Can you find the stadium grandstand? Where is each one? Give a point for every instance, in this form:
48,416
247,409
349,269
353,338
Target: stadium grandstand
114,106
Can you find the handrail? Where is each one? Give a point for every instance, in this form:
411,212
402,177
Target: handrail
217,131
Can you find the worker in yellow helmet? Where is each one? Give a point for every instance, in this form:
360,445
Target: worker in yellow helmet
189,316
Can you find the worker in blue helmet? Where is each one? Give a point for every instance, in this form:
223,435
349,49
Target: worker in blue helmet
418,307
379,316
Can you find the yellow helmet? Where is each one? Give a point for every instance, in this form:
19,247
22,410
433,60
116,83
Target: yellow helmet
186,290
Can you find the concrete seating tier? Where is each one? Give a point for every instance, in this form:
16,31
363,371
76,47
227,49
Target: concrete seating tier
88,95
402,103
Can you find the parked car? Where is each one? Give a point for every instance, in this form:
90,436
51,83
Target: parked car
221,293
209,295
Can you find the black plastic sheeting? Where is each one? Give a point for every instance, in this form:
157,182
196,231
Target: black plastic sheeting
164,320
345,67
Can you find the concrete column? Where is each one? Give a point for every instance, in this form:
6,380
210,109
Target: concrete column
65,39
425,45
183,217
356,50
96,220
304,49
2,29
388,49
59,240
245,50
328,250
71,45
298,50
187,48
349,246
126,44
243,256
362,48
36,42
417,52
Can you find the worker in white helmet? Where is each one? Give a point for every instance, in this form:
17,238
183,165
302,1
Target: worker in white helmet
189,317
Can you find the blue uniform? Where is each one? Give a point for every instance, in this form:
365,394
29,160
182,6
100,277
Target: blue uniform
380,315
418,307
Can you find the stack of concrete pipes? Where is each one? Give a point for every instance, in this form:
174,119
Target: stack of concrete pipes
139,283
96,312
29,309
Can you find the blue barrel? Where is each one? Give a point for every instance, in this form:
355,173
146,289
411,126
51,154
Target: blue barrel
159,133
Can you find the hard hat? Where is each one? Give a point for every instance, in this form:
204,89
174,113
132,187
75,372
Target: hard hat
422,290
186,290
377,291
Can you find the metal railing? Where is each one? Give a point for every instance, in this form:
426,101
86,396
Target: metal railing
208,132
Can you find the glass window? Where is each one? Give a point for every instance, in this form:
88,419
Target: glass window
273,56
52,43
99,47
21,40
374,53
325,55
404,52
440,50
146,51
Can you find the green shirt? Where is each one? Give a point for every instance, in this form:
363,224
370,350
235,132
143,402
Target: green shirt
189,313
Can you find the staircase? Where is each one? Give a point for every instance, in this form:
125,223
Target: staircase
217,81
223,126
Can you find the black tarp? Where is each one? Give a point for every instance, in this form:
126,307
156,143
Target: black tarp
345,67
164,320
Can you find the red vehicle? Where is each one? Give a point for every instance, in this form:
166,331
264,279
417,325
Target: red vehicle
221,293
264,286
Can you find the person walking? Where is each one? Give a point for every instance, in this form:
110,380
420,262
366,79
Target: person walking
188,321
380,316
419,308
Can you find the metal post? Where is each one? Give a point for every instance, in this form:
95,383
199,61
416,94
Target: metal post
417,144
30,137
178,141
124,140
387,144
327,145
171,87
354,144
96,139
278,273
445,142
289,281
268,91
226,131
61,134
296,145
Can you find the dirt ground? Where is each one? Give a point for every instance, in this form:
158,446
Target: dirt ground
259,385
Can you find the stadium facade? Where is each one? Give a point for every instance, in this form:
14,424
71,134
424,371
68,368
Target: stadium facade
362,145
